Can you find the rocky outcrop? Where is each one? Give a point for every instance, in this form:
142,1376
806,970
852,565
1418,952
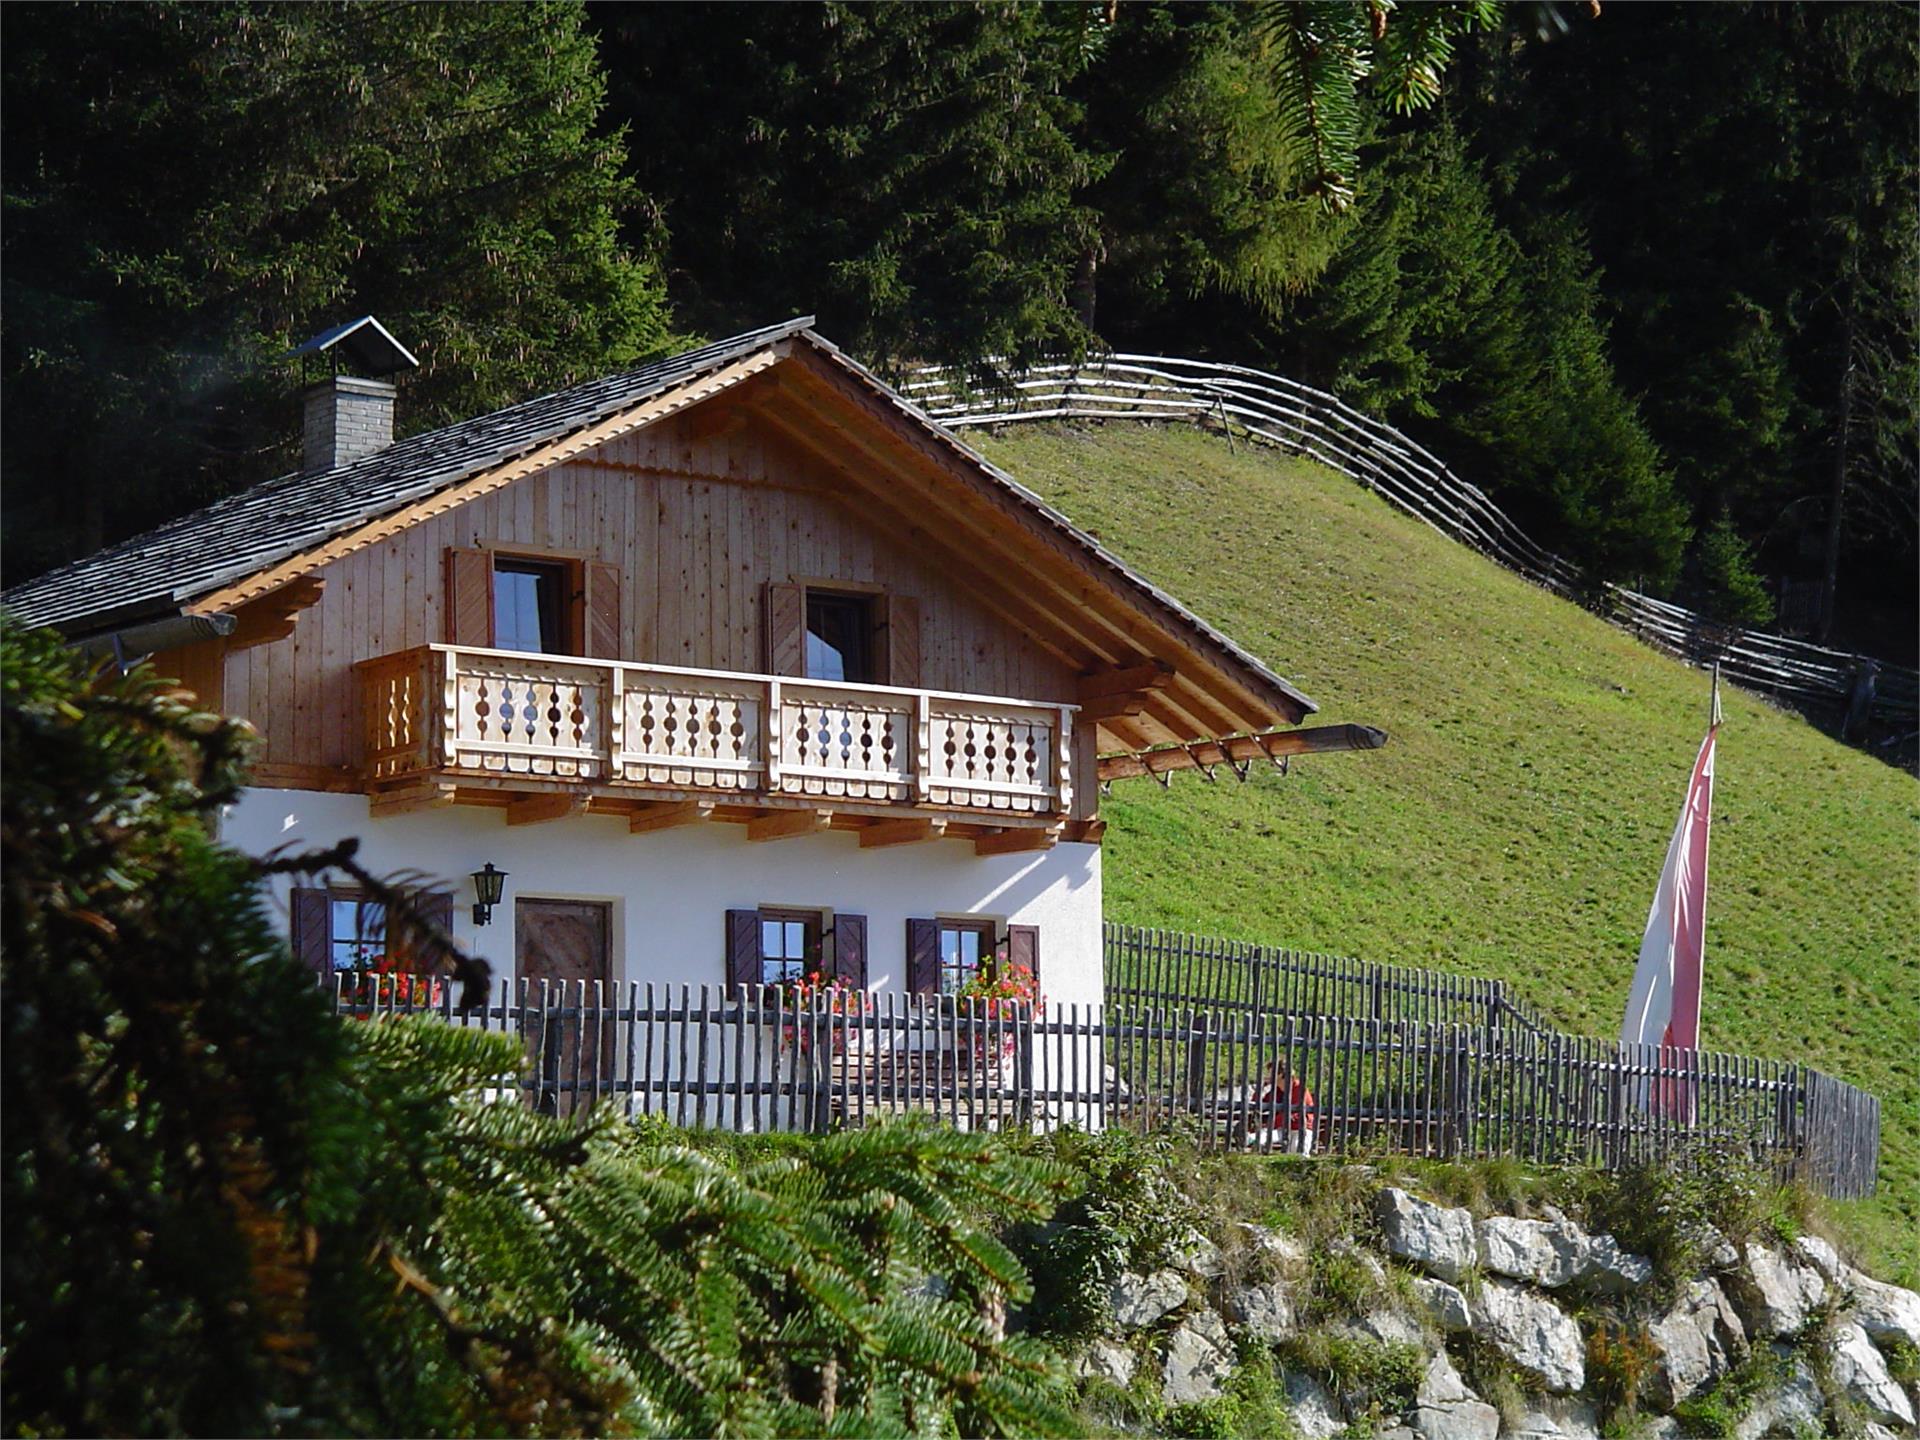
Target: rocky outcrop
1796,1408
1533,1333
1776,1292
1139,1300
1198,1361
1264,1311
1508,1284
1553,1253
1860,1371
1886,1312
1698,1342
1446,1305
1439,1240
1445,1409
1104,1360
1316,1414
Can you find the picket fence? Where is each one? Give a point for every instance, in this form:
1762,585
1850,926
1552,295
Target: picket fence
1306,421
752,1059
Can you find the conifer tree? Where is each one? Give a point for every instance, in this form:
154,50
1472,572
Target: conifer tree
227,1212
192,189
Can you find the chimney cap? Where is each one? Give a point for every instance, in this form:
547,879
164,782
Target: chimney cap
367,345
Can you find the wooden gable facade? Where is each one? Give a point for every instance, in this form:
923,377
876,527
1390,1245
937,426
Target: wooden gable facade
691,533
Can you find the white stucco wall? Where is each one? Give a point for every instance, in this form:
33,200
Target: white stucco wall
669,891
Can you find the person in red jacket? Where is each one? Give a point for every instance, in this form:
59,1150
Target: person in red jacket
1290,1112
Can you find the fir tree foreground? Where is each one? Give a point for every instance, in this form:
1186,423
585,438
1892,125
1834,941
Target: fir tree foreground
228,1213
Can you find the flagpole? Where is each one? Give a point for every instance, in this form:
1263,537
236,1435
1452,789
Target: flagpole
1713,717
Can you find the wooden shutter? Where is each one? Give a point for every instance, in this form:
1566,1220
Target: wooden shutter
469,597
437,906
313,930
1023,948
850,949
601,633
902,640
743,947
784,608
923,957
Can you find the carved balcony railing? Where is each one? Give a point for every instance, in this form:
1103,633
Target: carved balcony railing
454,710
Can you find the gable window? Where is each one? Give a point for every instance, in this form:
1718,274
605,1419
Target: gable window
840,637
532,602
847,631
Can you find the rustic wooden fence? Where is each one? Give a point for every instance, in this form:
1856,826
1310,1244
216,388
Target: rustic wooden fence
1323,427
1168,967
751,1059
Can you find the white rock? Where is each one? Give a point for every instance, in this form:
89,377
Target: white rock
1107,1361
1886,1312
1198,1255
1270,1245
1198,1359
1439,1240
1368,1261
1469,1420
1447,1304
1265,1311
1775,1293
1386,1327
1441,1385
1531,1332
1552,1253
1824,1257
1861,1371
1139,1300
1315,1412
1699,1340
1797,1407
1606,1266
1540,1252
1554,1419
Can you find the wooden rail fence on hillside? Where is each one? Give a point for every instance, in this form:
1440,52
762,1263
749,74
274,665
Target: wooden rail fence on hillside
752,1059
1325,428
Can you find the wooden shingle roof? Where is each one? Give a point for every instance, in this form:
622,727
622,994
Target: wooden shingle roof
158,572
214,552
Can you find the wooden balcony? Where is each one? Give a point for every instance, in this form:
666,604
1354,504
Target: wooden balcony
441,716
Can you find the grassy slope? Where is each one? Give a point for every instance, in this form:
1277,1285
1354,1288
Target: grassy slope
1518,819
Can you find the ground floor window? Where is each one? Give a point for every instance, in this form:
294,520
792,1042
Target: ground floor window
356,932
789,945
966,950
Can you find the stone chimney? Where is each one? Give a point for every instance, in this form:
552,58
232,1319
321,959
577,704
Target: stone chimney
346,418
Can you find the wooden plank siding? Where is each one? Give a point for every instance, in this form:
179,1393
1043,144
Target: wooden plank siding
695,525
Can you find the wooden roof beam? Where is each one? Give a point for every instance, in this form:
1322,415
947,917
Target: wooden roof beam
273,616
785,824
1314,740
985,522
669,815
1017,842
880,833
817,374
544,807
963,565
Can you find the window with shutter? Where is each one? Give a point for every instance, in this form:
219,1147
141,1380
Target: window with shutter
923,957
850,949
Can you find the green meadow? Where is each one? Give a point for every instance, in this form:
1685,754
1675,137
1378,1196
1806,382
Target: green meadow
1516,822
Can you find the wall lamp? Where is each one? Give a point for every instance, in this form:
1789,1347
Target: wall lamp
487,885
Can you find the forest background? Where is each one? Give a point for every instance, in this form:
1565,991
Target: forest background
1647,273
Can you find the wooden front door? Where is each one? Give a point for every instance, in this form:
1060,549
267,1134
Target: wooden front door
571,1042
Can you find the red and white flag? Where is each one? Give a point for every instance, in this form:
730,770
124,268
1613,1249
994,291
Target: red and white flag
1664,1007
